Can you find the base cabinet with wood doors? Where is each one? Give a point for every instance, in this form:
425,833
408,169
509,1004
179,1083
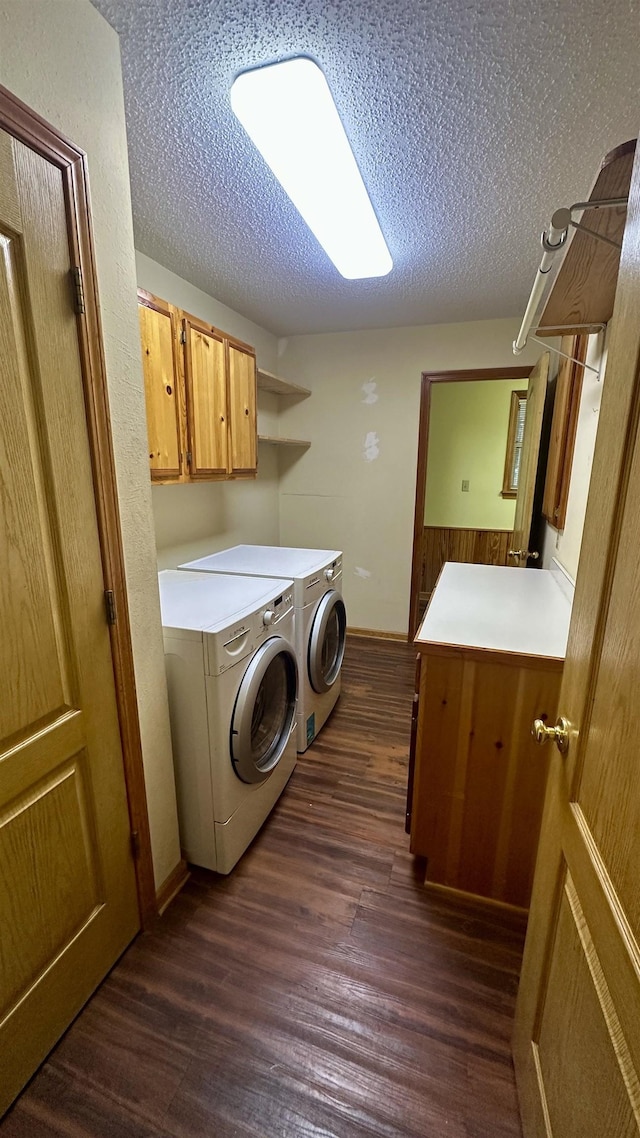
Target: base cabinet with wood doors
200,392
491,650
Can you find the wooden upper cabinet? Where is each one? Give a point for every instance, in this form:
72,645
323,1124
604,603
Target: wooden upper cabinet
206,381
243,435
201,396
161,386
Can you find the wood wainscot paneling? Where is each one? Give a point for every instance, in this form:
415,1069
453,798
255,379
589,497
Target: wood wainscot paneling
472,546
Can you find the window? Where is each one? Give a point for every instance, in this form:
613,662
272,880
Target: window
514,444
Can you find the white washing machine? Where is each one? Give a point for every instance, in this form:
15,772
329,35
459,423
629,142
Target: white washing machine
233,680
320,614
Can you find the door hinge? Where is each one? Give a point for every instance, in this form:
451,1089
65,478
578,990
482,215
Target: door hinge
110,606
135,843
183,336
78,290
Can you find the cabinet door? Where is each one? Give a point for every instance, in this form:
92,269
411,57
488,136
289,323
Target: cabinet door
242,410
206,399
161,386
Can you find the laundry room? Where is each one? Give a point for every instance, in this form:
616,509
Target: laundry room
320,392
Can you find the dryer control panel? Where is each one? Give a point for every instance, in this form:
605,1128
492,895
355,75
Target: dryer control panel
317,584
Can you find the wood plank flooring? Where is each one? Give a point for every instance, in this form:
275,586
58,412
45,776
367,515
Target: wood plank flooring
319,991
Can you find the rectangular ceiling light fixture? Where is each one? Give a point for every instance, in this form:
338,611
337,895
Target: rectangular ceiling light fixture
288,112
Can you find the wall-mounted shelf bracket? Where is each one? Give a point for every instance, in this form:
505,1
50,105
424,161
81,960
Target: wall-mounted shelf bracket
592,329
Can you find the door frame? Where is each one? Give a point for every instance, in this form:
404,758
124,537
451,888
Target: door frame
428,379
18,120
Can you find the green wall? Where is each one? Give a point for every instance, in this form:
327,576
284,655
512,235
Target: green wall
468,427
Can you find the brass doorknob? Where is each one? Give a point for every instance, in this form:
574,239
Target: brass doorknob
560,733
524,553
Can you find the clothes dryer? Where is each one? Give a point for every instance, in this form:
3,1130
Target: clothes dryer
320,618
233,679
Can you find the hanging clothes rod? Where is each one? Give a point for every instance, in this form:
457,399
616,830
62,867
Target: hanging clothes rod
553,240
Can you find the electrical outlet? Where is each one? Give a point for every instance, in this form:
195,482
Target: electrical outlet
465,485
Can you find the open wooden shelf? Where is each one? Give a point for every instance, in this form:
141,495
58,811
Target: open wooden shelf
282,442
584,289
282,387
277,386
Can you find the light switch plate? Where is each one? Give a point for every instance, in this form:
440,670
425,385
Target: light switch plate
465,485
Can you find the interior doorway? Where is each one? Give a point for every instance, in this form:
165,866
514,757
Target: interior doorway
464,506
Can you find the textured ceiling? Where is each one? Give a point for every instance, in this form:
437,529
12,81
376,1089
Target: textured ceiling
471,122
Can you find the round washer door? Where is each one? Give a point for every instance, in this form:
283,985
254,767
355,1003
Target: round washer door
326,641
264,711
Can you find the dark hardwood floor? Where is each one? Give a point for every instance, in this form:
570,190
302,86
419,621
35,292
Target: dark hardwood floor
319,991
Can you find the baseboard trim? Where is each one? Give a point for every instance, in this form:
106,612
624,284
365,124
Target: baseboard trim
491,902
171,886
378,634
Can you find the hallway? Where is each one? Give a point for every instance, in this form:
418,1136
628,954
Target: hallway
318,991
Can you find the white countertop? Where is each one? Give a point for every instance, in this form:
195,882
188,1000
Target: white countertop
499,609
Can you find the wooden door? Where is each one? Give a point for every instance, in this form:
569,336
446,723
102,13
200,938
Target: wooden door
205,370
242,410
577,1036
161,387
536,395
68,902
564,425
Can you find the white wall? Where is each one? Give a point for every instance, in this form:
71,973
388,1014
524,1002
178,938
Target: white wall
354,489
63,60
565,545
193,519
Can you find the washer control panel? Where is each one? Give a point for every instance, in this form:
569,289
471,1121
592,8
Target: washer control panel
277,609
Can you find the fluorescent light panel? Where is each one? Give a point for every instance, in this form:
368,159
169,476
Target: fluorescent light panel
288,111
